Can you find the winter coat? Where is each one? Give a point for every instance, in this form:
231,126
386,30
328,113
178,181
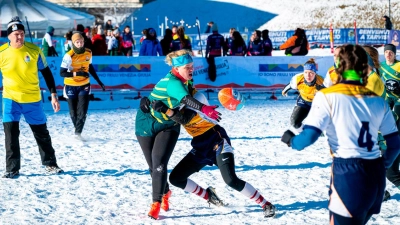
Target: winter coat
99,45
150,48
177,45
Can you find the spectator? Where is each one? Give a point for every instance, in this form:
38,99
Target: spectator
180,40
68,43
151,46
114,44
108,25
297,44
144,35
127,42
174,30
238,46
85,32
47,43
214,48
254,47
108,35
99,43
166,42
228,41
266,43
209,27
388,23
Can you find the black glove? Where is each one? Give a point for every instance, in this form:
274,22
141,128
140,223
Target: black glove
145,105
319,87
287,137
159,106
82,74
102,86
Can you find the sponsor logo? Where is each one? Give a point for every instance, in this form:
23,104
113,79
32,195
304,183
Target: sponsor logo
14,27
27,58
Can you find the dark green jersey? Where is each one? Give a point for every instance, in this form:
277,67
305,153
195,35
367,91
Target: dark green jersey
171,91
391,78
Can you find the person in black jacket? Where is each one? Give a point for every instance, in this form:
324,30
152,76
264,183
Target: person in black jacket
166,42
388,23
88,42
214,48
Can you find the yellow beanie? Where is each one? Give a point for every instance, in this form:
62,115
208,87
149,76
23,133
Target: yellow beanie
76,36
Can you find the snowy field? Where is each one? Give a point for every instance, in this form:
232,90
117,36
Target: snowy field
106,179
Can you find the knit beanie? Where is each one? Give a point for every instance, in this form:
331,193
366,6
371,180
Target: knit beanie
14,25
50,29
76,36
214,27
390,47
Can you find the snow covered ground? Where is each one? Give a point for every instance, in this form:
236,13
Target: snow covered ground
106,179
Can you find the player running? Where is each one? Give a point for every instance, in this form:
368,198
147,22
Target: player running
352,115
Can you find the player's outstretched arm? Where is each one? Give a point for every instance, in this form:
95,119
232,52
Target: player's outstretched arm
307,137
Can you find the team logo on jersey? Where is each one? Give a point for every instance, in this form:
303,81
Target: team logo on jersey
27,58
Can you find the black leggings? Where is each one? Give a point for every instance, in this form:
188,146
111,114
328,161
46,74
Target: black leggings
78,108
187,166
298,115
157,151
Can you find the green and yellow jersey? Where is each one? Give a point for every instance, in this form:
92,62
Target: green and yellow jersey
171,90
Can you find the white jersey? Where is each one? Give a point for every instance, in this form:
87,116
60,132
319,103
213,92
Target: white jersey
352,115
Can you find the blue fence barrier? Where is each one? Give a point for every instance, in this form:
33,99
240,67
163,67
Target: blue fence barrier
365,36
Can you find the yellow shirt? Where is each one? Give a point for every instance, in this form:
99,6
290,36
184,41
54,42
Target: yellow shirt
307,93
19,68
198,125
77,63
375,84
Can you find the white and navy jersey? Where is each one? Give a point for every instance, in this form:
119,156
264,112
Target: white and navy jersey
352,115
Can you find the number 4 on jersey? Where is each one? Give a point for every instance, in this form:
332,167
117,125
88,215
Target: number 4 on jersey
365,135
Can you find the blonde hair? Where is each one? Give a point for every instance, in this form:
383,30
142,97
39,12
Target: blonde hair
170,56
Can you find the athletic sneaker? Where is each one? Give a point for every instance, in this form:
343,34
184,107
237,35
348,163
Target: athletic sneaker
54,169
386,196
164,202
213,197
11,175
269,210
154,211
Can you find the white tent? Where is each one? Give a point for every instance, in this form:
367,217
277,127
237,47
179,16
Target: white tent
41,14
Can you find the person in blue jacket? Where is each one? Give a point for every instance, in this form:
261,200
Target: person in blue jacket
151,46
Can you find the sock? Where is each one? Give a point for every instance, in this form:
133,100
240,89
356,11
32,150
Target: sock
250,192
192,187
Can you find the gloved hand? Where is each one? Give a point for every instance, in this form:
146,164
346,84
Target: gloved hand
284,94
159,106
209,110
102,86
287,137
319,87
145,105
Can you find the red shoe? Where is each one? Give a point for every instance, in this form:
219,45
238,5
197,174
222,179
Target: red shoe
154,211
165,203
